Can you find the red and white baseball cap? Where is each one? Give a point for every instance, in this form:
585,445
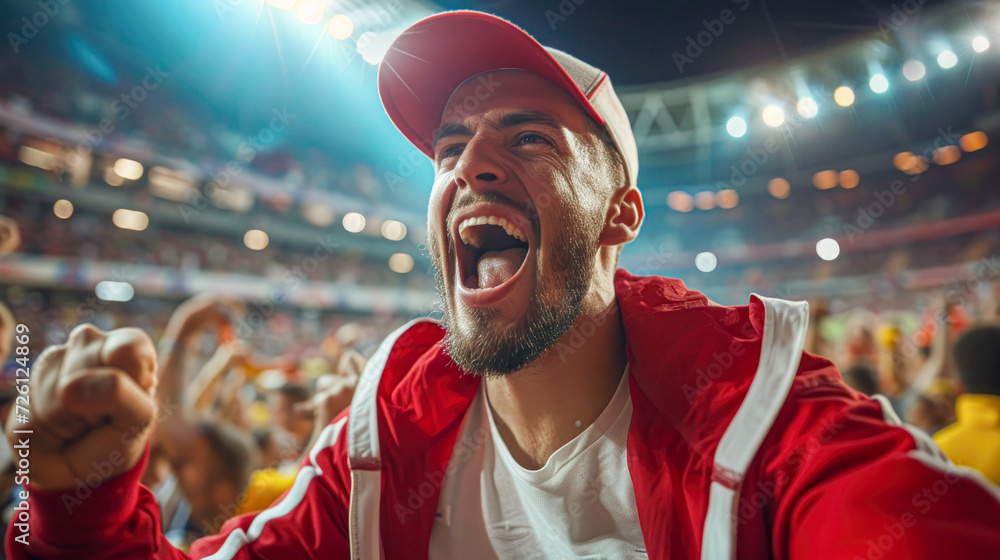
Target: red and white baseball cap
428,61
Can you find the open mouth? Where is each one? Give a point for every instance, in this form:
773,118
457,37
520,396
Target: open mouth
491,251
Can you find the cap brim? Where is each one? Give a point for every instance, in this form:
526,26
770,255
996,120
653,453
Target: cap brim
428,61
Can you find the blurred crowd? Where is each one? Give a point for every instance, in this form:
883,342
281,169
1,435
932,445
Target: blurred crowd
239,409
939,374
170,128
235,415
93,238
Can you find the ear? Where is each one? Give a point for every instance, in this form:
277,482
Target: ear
625,215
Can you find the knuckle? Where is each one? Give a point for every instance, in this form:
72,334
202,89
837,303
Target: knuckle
83,334
49,360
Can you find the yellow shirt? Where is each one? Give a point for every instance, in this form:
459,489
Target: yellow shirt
974,439
266,486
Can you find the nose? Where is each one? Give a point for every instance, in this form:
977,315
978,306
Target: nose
478,167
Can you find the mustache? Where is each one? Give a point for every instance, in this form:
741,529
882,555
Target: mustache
468,199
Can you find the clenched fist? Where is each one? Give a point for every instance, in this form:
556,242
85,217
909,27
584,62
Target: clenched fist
92,403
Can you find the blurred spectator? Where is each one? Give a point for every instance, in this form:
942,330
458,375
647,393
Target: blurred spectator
974,439
929,413
862,378
10,235
295,426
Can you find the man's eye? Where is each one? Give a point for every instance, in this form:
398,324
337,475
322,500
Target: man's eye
450,151
531,138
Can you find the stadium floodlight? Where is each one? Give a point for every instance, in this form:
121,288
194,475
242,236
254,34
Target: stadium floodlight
256,239
947,59
779,187
62,208
309,12
706,261
134,220
393,230
879,83
354,222
401,263
736,127
828,249
128,169
773,116
807,107
914,70
980,43
340,27
843,96
108,290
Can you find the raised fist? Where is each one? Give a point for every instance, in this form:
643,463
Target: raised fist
91,406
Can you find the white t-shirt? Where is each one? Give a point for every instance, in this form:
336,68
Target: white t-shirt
580,504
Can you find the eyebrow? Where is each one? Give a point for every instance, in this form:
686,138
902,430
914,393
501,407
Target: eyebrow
509,120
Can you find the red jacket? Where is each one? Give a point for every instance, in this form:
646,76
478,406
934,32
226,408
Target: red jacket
740,446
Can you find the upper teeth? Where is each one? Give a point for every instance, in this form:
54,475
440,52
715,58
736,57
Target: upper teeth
468,239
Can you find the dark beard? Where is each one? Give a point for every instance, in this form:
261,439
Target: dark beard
485,351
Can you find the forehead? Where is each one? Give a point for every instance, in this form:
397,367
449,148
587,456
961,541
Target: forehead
513,90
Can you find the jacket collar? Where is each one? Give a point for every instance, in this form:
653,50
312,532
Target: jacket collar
979,410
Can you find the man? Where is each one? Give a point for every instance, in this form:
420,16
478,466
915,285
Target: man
974,439
562,408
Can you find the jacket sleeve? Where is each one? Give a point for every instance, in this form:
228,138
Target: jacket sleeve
120,519
852,483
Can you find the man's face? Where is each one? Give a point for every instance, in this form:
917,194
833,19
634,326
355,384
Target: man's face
284,414
518,205
198,475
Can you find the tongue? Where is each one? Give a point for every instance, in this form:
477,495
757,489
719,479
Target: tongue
497,267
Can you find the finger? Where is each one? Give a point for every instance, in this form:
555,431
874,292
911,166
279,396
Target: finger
46,414
220,307
108,396
132,351
44,377
351,363
83,348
